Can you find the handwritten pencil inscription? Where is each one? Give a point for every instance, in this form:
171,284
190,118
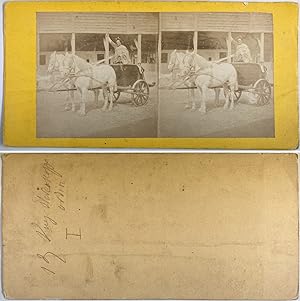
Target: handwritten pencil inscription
49,197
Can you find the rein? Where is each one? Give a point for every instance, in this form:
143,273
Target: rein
190,67
74,75
55,65
193,72
174,64
72,68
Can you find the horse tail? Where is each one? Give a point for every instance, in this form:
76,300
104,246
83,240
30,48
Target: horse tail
113,79
113,85
236,85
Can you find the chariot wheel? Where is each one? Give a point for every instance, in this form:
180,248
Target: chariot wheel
262,92
140,93
116,95
237,95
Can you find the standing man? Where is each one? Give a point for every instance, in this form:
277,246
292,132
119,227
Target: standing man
242,53
121,52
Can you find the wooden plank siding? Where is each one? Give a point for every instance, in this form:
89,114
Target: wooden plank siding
220,22
142,23
55,22
114,23
177,22
134,23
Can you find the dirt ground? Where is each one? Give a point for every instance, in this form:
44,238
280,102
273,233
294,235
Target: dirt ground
245,120
125,120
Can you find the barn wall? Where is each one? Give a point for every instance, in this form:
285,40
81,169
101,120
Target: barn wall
55,22
221,22
118,23
148,22
214,54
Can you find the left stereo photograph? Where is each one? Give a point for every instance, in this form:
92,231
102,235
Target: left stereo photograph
111,54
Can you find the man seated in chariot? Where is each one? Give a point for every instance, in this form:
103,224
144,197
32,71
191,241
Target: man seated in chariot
121,52
242,52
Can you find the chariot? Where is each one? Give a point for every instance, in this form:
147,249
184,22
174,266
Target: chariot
252,78
131,80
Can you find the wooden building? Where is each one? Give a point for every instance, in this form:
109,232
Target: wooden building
83,34
210,34
150,37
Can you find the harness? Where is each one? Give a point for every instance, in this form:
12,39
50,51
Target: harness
56,64
192,72
72,69
174,64
72,75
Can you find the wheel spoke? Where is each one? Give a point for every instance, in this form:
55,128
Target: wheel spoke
144,98
263,92
140,93
266,99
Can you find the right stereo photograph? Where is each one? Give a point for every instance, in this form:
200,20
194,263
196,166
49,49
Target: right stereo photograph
216,75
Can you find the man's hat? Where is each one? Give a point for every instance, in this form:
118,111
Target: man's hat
118,38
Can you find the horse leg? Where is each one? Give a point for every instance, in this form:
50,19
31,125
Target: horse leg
68,105
96,94
83,100
105,96
217,100
227,96
200,96
72,100
110,97
231,97
202,109
188,105
193,99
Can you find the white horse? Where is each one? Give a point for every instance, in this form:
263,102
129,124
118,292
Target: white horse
54,65
86,76
209,75
176,68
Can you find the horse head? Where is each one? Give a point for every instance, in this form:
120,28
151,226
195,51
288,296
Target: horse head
74,64
188,63
53,64
193,62
68,64
173,60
